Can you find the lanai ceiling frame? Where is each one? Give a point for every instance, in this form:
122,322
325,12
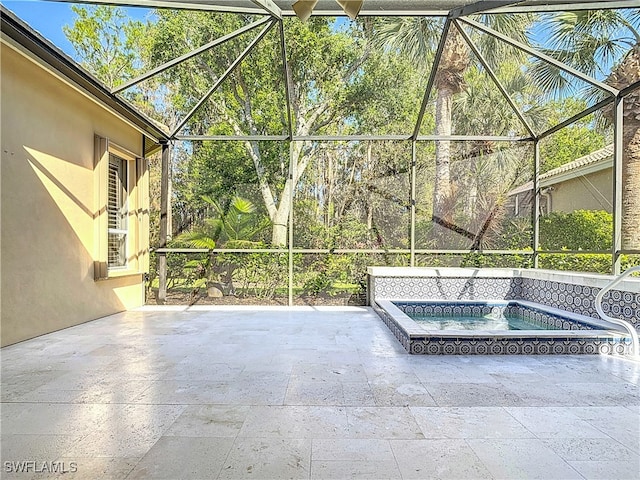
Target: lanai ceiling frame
222,77
178,60
458,15
379,8
495,79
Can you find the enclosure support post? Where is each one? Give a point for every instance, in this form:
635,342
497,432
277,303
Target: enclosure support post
618,142
164,223
535,208
412,235
292,176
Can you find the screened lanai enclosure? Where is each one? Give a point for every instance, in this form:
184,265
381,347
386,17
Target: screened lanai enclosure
300,150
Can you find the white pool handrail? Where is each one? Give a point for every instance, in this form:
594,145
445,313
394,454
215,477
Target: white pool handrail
635,348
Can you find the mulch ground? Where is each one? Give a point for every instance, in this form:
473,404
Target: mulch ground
182,298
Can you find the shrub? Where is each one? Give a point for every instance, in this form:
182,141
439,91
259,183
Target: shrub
578,230
584,262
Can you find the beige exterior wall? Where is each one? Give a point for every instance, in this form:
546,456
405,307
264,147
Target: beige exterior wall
590,192
52,212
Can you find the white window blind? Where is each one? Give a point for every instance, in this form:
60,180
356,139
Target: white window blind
117,212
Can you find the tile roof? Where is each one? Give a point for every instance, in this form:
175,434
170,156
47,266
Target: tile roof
589,159
568,168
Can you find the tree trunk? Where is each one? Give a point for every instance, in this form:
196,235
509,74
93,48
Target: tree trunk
626,73
631,187
442,184
279,233
280,217
448,81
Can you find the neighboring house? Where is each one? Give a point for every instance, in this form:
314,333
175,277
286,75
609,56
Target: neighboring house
74,191
584,184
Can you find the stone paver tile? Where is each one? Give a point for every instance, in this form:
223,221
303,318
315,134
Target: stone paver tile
382,423
300,392
263,458
129,431
555,422
472,395
468,422
96,468
183,392
295,422
184,458
402,395
209,421
620,423
604,394
591,449
361,470
358,395
51,418
438,459
606,470
522,458
352,449
40,448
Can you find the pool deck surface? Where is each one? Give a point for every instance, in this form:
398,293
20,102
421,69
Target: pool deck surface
304,392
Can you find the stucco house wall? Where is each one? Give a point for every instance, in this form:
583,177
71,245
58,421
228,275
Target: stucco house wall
53,206
583,184
590,192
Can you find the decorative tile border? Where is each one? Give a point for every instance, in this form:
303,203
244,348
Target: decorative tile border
536,316
403,337
447,288
581,299
511,346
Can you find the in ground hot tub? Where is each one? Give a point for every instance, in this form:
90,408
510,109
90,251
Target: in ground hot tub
444,323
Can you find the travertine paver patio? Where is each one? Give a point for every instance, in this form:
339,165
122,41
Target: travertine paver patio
225,392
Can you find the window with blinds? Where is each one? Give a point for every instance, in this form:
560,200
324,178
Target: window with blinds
117,212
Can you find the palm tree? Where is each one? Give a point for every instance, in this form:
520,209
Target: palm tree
592,41
418,37
237,223
236,226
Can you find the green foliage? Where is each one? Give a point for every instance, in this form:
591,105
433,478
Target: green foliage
186,273
107,41
479,260
384,96
596,263
258,274
318,283
237,222
235,226
210,169
572,142
367,76
516,233
481,108
587,40
628,261
578,230
567,145
327,86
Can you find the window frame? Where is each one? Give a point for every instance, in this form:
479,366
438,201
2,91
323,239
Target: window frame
135,249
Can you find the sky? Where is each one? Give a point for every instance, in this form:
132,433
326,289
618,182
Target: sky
48,18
